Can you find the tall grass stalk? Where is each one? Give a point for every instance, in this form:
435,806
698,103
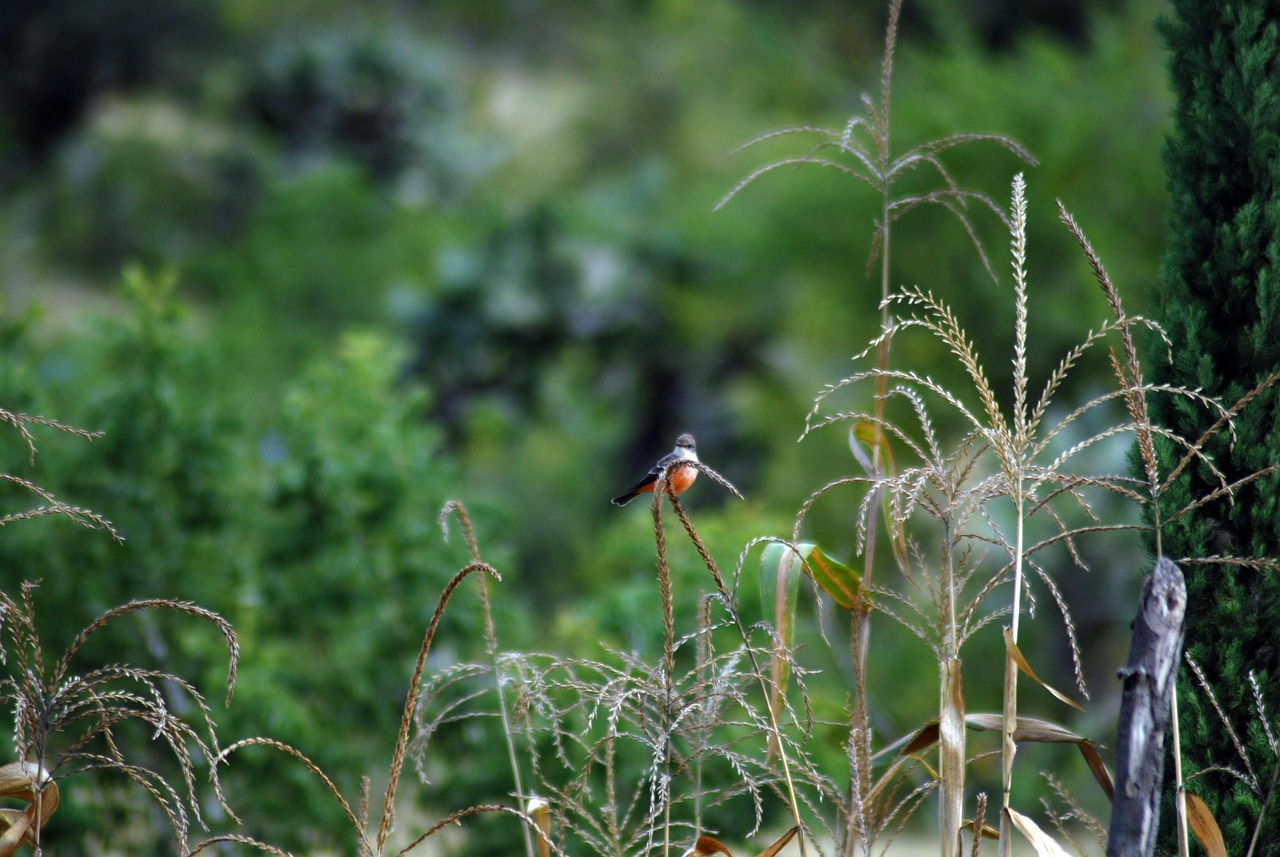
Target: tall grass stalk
1021,459
866,155
371,841
1014,461
730,604
491,643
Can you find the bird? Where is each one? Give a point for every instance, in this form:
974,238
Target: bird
705,847
679,479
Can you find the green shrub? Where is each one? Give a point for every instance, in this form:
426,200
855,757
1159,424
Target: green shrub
308,520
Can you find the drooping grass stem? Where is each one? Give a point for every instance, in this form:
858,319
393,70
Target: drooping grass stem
491,643
662,489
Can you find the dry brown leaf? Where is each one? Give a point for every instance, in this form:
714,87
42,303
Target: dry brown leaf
540,811
1039,731
1204,827
1042,843
988,832
18,779
19,831
1016,653
924,737
1031,729
780,843
1093,758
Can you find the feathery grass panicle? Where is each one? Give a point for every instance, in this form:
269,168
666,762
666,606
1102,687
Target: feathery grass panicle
1130,374
281,747
67,722
371,841
1067,810
49,504
862,151
1018,227
23,422
960,484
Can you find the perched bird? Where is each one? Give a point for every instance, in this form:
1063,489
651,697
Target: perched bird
680,478
705,847
708,845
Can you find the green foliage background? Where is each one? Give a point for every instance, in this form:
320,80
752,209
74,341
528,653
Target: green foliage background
1218,301
377,259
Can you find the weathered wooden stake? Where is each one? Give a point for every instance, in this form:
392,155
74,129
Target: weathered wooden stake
1144,712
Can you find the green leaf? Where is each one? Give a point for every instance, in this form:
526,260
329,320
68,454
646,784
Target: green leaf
842,583
780,569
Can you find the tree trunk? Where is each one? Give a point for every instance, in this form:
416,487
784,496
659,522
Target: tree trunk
1144,713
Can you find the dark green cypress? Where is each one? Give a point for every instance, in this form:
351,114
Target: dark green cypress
1219,301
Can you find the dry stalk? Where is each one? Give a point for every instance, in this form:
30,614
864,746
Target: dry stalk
730,604
863,152
491,641
411,699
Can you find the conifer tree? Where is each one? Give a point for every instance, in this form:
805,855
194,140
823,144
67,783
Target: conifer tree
1219,301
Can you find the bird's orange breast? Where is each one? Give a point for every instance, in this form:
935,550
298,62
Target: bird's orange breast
681,477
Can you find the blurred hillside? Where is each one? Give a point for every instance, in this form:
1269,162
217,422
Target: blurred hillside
523,197
316,267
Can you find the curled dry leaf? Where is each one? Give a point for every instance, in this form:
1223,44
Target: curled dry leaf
540,811
18,780
1037,731
1093,758
1042,843
1205,827
1021,661
17,831
779,843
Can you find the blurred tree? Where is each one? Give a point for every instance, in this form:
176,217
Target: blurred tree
1219,301
57,56
147,181
388,104
1002,24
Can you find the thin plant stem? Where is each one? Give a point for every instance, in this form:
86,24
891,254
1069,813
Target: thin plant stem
1262,811
1180,796
668,652
951,730
411,699
491,642
731,605
1009,747
862,618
